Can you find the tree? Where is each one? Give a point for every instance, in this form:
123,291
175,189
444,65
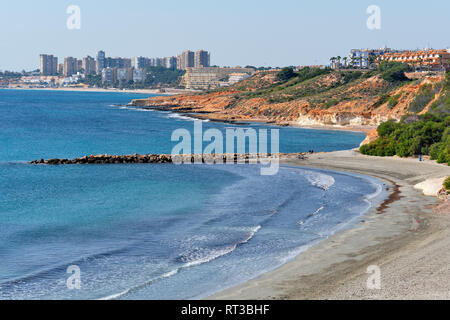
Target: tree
430,134
394,71
371,61
286,73
352,61
157,76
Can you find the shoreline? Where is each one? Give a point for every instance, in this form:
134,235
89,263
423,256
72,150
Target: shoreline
169,92
401,235
244,121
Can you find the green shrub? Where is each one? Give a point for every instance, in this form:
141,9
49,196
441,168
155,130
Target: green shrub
369,74
286,74
436,150
430,134
447,184
393,101
423,98
394,71
351,76
331,103
388,127
442,104
382,100
309,73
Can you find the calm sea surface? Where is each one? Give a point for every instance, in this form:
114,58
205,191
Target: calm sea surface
142,231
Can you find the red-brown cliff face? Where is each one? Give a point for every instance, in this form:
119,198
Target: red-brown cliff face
327,100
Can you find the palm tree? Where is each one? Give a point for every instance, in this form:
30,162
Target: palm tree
332,59
345,61
371,60
339,61
352,61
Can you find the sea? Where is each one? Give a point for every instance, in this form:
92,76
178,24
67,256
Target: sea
152,231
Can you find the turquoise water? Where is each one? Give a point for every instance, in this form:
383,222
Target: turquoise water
151,231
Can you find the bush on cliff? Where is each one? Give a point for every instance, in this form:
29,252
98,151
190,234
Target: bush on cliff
447,184
422,99
442,104
393,101
310,73
351,76
440,151
286,74
430,135
302,75
394,71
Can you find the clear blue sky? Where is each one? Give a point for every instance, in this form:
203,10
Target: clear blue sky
236,32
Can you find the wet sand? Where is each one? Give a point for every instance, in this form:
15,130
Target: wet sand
403,237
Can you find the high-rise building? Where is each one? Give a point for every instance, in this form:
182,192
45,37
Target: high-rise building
170,62
108,75
55,65
124,74
125,62
48,65
70,66
202,59
89,65
138,75
185,60
100,61
159,62
140,62
117,62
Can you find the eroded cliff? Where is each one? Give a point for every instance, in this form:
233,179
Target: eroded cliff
334,98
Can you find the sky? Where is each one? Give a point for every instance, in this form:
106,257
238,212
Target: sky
235,32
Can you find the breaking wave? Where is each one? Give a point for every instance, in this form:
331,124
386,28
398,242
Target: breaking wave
319,180
193,258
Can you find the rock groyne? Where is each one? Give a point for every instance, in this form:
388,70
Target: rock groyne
168,158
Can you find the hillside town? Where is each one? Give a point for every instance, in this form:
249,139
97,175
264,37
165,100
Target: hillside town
420,60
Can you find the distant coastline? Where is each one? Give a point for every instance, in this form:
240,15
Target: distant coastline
167,92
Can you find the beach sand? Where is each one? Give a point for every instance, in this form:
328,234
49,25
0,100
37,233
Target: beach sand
403,237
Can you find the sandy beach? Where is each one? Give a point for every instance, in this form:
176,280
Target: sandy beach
403,237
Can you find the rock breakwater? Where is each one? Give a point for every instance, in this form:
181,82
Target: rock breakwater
168,158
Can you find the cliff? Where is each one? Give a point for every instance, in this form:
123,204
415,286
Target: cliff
341,99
